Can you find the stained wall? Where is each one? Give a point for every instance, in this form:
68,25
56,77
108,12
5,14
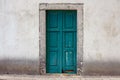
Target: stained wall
19,36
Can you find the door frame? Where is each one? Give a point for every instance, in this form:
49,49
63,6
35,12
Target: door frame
42,32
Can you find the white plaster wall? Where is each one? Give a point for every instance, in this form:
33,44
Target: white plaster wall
19,31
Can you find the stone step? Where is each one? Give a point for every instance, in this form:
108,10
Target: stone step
57,77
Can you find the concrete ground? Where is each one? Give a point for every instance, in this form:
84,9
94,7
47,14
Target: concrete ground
56,77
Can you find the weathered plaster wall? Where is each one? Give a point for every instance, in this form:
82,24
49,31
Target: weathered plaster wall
101,37
19,35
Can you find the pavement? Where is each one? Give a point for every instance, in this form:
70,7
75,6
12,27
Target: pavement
56,77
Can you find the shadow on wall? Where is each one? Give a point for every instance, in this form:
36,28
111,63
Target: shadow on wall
101,68
19,67
32,67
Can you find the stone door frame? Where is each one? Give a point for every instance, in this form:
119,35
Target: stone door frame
42,32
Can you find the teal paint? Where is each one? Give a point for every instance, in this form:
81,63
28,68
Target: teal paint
61,41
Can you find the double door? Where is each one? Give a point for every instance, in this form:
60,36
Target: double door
61,41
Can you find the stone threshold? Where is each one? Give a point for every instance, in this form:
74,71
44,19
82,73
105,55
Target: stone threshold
55,77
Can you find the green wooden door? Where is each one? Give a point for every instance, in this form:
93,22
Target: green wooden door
61,41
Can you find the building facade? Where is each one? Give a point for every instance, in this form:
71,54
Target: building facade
80,37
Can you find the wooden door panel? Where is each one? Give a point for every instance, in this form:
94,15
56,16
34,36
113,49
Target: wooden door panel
53,24
69,51
69,42
53,39
68,39
61,41
69,20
